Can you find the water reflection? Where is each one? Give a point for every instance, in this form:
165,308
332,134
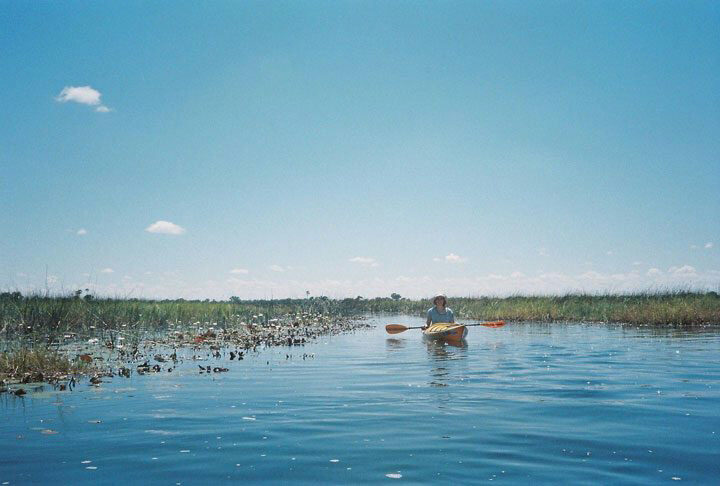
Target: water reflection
442,354
444,350
394,344
545,404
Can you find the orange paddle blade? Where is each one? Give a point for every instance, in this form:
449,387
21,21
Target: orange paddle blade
493,324
395,328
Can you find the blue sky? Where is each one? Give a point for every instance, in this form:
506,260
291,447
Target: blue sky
359,148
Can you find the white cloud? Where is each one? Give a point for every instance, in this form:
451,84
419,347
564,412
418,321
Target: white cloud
414,286
453,258
240,271
79,94
107,270
85,95
591,275
517,275
276,268
364,261
553,276
708,245
684,270
82,231
653,272
165,227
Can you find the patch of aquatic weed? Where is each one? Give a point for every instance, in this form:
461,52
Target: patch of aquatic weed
38,365
44,318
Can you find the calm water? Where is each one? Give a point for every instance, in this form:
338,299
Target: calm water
527,402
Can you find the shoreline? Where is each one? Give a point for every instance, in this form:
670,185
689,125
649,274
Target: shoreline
648,309
73,356
59,338
32,314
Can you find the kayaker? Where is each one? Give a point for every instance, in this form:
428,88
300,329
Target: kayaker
439,312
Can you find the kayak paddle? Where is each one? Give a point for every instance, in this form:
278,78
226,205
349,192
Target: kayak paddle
398,328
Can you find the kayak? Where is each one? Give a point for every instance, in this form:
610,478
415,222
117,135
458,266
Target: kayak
447,331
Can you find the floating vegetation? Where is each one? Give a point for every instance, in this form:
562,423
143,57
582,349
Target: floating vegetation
45,318
51,320
55,339
39,365
104,353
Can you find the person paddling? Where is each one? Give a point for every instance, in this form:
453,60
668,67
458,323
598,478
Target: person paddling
439,312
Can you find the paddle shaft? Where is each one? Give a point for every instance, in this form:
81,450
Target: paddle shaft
397,328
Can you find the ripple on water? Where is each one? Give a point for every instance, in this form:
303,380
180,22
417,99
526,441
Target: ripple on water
523,403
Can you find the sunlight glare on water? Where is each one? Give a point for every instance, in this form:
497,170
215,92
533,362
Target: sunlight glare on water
526,402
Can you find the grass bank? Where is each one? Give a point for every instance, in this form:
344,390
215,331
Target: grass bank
34,329
41,319
654,308
55,338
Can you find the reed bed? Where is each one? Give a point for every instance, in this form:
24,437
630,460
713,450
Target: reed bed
32,321
651,308
41,320
54,338
36,365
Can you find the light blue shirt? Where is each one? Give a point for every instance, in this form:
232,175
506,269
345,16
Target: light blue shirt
436,316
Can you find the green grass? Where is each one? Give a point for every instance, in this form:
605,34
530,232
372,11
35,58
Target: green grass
655,308
33,327
33,321
37,365
40,319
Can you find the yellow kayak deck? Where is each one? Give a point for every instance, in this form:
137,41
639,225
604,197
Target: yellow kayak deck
449,331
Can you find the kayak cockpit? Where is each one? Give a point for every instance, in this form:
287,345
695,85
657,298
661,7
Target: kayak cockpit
447,331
